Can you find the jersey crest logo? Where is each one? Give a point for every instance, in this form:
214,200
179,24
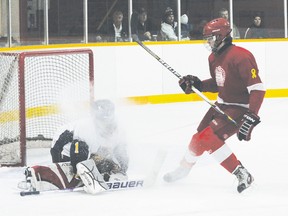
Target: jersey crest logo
253,73
220,76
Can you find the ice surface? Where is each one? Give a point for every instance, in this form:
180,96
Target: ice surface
209,190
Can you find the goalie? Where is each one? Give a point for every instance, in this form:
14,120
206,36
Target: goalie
89,151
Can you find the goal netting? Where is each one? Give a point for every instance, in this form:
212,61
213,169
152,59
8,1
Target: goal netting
40,91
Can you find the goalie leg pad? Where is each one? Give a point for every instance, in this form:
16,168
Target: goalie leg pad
90,176
51,177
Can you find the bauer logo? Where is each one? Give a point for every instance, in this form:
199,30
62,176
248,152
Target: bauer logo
125,184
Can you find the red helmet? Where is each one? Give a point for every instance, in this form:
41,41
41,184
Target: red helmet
220,28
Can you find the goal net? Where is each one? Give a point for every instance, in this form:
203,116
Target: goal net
40,91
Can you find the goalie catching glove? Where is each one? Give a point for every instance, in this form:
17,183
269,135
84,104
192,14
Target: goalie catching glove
110,170
249,121
98,170
188,81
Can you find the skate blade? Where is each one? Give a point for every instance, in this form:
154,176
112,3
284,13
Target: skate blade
23,185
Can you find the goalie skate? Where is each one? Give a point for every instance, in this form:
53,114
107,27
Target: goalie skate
26,185
30,183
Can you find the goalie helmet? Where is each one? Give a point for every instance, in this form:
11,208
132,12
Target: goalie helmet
103,113
216,31
103,110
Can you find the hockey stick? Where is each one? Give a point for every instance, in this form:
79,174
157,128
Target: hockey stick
173,71
112,186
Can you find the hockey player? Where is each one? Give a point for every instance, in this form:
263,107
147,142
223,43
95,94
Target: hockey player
234,75
90,151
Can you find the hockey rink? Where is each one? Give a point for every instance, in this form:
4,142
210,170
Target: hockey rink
209,190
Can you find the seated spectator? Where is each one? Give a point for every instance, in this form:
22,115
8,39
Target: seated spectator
141,26
256,30
116,31
186,27
225,14
197,32
168,26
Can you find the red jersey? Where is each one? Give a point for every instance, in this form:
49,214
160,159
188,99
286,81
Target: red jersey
234,74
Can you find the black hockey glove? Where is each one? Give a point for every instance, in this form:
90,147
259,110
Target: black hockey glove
56,150
79,151
105,166
249,121
188,81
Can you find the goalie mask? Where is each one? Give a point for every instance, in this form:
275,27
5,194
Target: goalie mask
215,32
103,110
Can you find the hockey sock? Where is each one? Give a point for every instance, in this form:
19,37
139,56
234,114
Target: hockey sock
189,159
226,158
230,163
207,140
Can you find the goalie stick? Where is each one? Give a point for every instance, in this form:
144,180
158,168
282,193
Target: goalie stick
149,181
117,185
173,71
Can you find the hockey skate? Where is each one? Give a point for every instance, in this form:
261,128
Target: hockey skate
180,172
245,179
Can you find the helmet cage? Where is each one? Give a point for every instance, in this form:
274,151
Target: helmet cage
216,30
103,110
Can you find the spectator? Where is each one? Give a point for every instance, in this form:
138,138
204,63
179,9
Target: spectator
223,13
168,26
186,28
141,26
256,30
197,32
115,31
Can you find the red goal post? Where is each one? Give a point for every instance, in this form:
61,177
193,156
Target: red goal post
40,91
